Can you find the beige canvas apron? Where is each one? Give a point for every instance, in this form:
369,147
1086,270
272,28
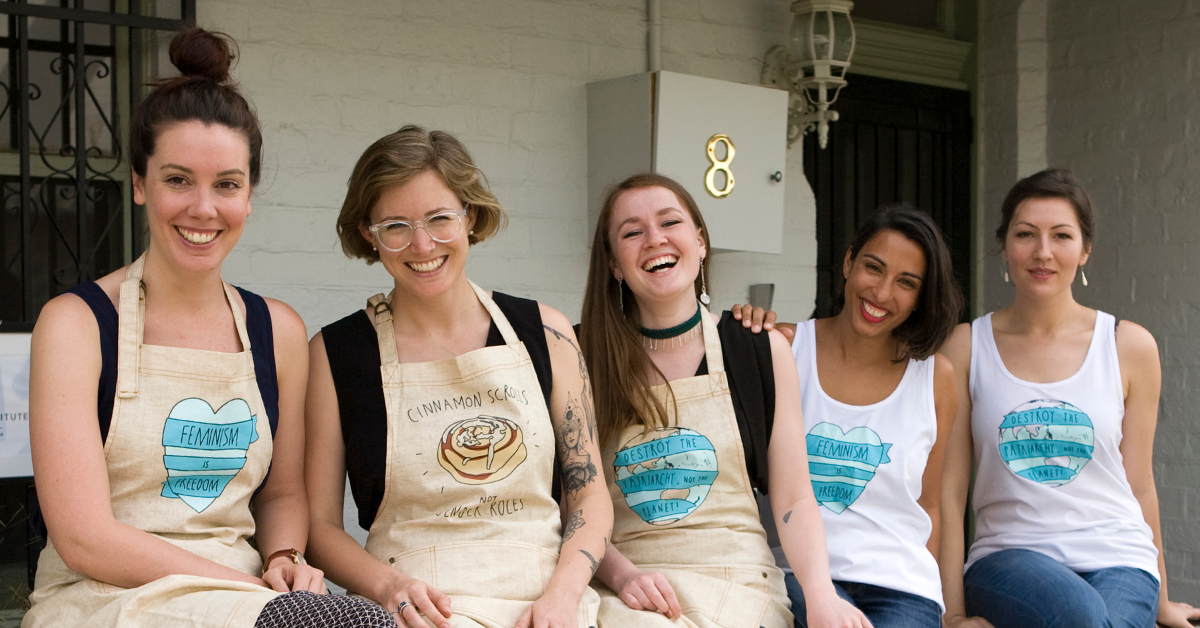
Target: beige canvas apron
683,506
467,504
188,444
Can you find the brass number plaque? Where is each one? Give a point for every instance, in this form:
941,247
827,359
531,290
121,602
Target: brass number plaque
719,165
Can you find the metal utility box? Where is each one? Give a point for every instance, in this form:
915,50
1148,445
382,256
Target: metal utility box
725,142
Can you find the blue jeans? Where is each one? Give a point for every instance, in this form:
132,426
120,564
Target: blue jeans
1018,588
886,608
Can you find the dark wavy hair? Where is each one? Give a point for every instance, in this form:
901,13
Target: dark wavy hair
203,91
940,303
1050,183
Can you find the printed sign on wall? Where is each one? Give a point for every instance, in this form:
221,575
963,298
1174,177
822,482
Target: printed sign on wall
14,406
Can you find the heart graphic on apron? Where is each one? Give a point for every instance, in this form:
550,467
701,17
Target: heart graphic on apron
205,449
1046,441
482,450
666,474
840,464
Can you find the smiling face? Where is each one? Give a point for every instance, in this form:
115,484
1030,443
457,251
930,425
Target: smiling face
657,247
883,283
426,267
1044,246
196,192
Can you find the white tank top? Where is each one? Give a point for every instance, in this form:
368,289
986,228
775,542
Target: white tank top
1050,475
866,465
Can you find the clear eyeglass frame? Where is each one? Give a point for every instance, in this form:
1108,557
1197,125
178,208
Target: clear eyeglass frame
451,230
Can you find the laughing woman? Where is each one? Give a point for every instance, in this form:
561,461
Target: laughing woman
446,404
166,407
870,378
693,414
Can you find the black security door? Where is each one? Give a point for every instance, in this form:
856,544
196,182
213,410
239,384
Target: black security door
895,141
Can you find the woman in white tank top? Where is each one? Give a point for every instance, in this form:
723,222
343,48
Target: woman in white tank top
878,407
1058,413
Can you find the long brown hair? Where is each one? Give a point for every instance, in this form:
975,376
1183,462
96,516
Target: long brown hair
608,334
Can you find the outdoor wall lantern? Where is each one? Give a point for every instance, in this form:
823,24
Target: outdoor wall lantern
813,70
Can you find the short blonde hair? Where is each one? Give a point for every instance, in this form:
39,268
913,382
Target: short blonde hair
395,159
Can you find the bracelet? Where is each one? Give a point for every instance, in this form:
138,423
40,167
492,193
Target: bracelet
291,552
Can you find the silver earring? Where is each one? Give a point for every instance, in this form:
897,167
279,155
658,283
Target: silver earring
621,293
1006,273
1083,276
703,286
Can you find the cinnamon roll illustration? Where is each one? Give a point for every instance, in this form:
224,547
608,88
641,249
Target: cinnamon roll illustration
481,450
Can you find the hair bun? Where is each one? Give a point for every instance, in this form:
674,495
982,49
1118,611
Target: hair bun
197,52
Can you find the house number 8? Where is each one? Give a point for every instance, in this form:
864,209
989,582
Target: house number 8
719,165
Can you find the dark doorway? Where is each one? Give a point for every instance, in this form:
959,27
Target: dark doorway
894,142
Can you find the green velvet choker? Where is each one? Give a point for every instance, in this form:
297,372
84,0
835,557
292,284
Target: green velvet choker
671,332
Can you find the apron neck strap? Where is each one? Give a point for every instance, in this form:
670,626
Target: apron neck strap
131,326
712,343
501,322
384,331
386,334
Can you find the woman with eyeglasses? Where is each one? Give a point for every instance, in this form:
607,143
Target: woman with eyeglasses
1058,405
694,415
452,409
166,415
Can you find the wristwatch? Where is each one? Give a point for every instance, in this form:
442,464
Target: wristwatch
291,552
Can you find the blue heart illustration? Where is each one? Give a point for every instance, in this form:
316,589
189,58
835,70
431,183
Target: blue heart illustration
205,449
1046,441
840,464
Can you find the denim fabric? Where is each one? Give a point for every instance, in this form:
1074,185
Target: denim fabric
1018,588
886,608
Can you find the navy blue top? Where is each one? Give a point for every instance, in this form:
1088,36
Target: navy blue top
258,328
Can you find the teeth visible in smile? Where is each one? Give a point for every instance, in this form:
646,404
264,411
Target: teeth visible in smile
197,237
874,312
659,262
426,267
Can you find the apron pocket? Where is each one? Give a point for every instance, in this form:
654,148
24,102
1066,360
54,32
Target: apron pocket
489,569
730,596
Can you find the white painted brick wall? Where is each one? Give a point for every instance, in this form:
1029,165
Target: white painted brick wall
1121,100
508,78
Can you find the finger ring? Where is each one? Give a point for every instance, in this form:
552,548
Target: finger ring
400,609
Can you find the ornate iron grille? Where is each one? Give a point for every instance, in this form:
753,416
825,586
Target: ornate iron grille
71,72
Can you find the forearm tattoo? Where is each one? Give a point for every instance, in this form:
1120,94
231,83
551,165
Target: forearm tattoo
574,522
595,563
578,428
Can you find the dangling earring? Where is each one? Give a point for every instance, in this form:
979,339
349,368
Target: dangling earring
621,293
703,285
1083,276
1006,273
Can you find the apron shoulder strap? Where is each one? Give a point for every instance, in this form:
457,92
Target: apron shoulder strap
380,305
130,325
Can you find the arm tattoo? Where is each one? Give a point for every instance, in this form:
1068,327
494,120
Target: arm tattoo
574,522
578,427
787,516
595,563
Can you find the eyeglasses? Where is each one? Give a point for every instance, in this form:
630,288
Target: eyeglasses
396,235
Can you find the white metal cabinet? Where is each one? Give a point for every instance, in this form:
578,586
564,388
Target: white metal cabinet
664,122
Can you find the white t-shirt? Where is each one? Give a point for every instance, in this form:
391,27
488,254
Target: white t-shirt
1050,475
866,464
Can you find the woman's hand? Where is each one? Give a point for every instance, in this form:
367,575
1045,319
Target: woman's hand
416,598
757,319
285,576
960,621
555,609
834,612
649,591
1177,614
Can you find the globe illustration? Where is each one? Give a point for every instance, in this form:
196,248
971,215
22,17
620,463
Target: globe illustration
666,474
1046,441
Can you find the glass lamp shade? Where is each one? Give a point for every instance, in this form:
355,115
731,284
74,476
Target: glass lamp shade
822,37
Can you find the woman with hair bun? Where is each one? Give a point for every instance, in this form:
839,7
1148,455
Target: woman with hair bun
1058,405
446,405
166,407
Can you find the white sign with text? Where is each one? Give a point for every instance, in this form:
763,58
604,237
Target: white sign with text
14,406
